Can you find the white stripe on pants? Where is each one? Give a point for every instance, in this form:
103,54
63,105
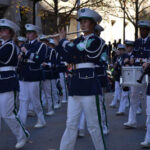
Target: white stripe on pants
29,91
6,113
77,104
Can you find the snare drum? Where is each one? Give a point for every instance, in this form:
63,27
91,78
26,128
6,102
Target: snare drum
130,75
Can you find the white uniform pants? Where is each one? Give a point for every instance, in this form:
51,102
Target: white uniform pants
55,96
46,87
103,115
117,93
43,96
64,86
6,113
77,104
147,136
82,122
29,91
134,102
124,101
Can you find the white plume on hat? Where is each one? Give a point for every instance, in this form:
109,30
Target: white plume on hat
10,24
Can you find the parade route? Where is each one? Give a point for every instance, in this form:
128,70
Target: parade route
49,137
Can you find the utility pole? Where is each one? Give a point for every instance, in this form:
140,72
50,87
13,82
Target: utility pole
124,20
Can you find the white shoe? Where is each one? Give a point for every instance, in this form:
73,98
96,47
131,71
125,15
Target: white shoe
39,125
21,143
64,101
50,113
120,113
145,144
57,106
129,125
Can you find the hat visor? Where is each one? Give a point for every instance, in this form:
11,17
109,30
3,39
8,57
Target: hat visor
6,27
44,39
85,17
31,31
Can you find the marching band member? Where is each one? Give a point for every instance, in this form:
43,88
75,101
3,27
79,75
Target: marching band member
30,75
55,77
124,101
102,75
9,82
48,73
117,74
142,50
141,53
84,52
62,72
45,94
20,42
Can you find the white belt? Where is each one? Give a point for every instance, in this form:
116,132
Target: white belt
8,68
30,61
85,65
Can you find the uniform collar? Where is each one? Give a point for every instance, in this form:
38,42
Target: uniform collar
88,36
31,42
130,53
145,39
3,42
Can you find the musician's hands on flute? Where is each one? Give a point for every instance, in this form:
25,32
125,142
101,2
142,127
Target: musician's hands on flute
44,64
62,35
24,50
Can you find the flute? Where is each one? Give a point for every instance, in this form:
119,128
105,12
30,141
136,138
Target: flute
69,33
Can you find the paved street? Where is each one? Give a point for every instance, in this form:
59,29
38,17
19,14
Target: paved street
49,137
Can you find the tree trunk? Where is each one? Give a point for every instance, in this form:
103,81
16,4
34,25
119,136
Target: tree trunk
56,21
136,18
34,17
